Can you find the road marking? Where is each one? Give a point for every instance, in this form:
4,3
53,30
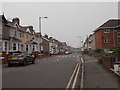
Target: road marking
57,59
68,86
75,80
82,74
90,61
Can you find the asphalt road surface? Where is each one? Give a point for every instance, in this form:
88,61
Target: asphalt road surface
49,72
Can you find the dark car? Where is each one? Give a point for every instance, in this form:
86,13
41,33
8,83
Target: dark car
20,57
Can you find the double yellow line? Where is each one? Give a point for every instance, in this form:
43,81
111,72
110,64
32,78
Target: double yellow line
74,77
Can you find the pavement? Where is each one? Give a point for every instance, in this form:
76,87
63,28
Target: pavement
97,76
49,72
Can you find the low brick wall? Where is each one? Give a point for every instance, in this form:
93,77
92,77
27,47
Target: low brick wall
108,61
5,55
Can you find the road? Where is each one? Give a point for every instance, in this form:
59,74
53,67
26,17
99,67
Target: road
49,72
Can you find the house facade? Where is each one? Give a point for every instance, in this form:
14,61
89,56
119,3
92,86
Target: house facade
16,36
91,43
107,34
5,35
45,44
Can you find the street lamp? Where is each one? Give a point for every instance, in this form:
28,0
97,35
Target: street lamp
40,29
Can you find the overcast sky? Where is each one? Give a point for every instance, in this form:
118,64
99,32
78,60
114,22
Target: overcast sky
66,21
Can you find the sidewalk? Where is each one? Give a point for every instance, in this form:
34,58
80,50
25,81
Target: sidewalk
97,76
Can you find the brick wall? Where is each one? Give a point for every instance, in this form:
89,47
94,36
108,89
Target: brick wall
100,36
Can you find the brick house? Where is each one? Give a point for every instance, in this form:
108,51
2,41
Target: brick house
108,34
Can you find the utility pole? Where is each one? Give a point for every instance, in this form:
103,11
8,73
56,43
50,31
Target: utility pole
40,30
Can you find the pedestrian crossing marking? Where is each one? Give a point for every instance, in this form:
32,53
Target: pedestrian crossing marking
67,56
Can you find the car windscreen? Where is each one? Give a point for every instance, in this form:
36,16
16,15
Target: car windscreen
15,53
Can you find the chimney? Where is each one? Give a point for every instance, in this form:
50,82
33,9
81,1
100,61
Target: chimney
50,38
31,27
46,36
16,20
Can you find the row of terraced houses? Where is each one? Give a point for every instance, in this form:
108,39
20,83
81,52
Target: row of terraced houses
104,37
24,38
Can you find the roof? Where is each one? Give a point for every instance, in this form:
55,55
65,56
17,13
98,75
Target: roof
112,23
31,42
16,39
45,38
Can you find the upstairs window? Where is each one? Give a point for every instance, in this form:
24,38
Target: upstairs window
6,46
106,40
15,33
20,34
106,31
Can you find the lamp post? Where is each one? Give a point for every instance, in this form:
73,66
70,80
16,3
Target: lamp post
40,29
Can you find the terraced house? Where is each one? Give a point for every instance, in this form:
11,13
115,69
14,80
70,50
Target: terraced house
30,39
24,38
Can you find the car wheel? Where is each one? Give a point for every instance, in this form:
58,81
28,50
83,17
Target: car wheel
33,61
9,64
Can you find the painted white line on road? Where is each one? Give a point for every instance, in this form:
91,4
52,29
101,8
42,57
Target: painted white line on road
90,61
68,86
57,59
75,80
82,60
82,74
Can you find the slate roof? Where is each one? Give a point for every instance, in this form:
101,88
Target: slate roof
112,23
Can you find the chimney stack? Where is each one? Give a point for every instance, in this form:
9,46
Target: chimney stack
46,36
16,20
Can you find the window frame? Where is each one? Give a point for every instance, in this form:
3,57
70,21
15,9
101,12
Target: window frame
106,31
106,39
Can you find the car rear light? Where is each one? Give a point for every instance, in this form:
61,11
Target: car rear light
22,55
21,61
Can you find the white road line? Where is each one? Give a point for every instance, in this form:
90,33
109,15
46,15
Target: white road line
82,74
71,77
90,61
75,80
57,59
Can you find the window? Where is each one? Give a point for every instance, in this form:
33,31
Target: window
15,33
106,31
18,47
26,47
20,34
33,48
6,46
106,40
118,34
14,46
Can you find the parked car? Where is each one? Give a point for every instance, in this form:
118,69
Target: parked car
68,52
20,57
